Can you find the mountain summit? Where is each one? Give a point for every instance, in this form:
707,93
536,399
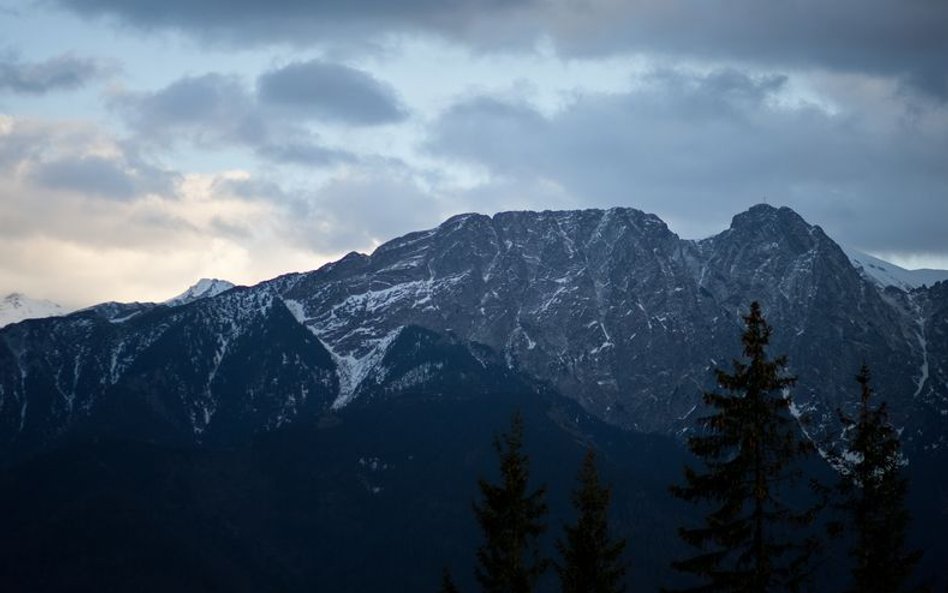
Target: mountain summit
16,307
607,307
204,288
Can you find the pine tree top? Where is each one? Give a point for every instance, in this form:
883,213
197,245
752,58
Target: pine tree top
872,493
511,518
591,559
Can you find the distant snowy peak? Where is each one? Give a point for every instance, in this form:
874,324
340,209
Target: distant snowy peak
887,274
205,288
16,307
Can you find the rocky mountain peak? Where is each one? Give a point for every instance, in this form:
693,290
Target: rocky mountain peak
203,288
608,307
766,225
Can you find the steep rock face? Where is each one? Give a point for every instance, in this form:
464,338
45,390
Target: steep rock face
927,310
609,307
828,319
568,297
619,313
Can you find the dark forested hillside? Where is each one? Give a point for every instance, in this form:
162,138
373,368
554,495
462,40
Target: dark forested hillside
373,497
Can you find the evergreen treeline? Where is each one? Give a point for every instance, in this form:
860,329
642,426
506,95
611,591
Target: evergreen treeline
752,539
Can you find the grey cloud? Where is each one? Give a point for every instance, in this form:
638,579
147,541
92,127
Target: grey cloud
700,148
91,175
303,22
65,72
211,109
97,176
64,156
238,232
354,212
305,153
215,110
901,39
361,210
482,128
251,189
330,92
20,145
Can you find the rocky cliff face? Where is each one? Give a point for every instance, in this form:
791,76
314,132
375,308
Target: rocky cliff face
610,308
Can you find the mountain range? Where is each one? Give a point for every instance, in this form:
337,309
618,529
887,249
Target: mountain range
608,307
604,322
17,307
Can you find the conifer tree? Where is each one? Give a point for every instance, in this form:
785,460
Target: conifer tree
874,488
591,560
749,445
511,518
447,583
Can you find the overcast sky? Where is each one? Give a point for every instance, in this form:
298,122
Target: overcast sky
146,144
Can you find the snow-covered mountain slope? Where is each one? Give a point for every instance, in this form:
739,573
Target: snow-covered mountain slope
16,307
204,288
608,307
888,274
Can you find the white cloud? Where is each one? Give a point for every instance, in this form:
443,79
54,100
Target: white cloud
68,245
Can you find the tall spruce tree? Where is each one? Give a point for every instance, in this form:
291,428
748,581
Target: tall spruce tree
511,518
873,489
591,559
750,541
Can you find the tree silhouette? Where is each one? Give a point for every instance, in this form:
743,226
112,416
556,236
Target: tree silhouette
749,446
511,519
447,583
873,489
591,560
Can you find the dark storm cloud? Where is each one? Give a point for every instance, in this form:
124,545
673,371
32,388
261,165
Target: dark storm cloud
65,72
887,37
702,147
330,92
215,110
906,39
300,22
